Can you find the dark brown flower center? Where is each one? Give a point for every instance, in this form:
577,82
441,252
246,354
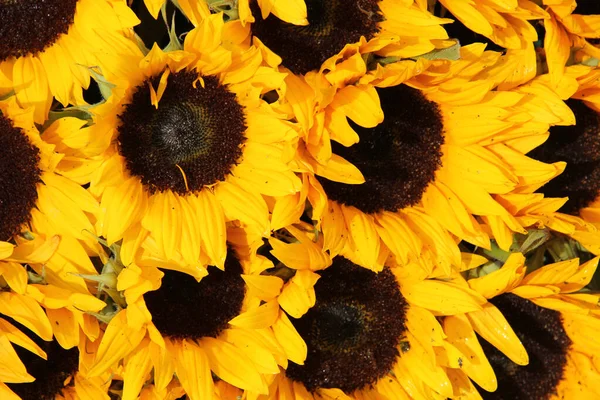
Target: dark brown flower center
183,308
197,130
30,26
353,331
398,157
579,146
587,7
543,336
19,176
332,25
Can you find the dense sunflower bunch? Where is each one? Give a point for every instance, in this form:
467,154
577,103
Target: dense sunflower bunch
299,199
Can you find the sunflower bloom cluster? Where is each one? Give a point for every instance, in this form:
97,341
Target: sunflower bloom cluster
299,199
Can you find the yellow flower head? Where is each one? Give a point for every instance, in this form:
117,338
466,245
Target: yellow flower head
508,24
50,325
537,330
571,203
46,215
414,154
338,29
228,324
368,334
188,138
50,56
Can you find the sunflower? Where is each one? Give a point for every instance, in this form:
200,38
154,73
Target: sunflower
573,27
188,138
544,313
570,203
56,370
369,335
50,56
339,30
448,144
41,202
228,324
32,312
504,23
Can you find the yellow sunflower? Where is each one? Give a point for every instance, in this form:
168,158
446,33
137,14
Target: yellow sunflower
42,367
505,23
50,56
570,203
449,143
292,11
228,324
369,335
191,145
573,26
539,331
41,201
340,30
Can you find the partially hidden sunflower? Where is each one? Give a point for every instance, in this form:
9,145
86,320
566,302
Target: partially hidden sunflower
191,145
50,57
435,143
51,327
573,27
570,203
537,331
337,30
292,11
227,325
369,335
41,201
510,25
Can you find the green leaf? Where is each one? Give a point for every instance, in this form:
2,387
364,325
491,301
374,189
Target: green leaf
174,42
7,95
105,86
80,112
449,53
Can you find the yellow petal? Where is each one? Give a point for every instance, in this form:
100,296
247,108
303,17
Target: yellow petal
557,46
292,343
118,341
502,280
29,74
265,287
361,105
26,311
192,369
340,170
6,249
365,244
260,317
123,205
56,63
251,345
490,324
15,275
163,220
212,228
64,324
239,204
233,366
11,367
461,335
291,11
445,298
136,369
21,339
298,295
